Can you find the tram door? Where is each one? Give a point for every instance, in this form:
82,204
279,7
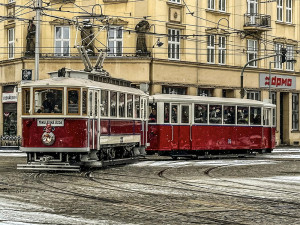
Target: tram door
181,126
94,124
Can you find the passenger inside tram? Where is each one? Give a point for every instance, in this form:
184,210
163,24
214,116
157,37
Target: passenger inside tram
153,116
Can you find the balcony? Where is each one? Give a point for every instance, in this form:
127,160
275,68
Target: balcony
258,22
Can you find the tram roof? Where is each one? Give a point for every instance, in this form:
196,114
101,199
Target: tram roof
79,82
174,98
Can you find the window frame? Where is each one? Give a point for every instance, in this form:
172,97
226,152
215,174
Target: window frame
24,101
79,100
175,1
11,43
289,11
277,59
174,44
59,51
252,49
52,88
222,50
211,49
211,4
279,7
289,56
117,52
222,5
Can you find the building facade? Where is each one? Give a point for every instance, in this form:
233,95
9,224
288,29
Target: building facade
174,46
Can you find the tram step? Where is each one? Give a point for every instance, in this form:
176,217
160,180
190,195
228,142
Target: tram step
48,167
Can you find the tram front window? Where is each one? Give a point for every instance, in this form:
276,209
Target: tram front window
48,101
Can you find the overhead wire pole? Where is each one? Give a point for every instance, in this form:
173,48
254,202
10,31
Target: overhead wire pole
38,9
243,69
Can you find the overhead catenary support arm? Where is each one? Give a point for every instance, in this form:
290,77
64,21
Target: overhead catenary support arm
242,73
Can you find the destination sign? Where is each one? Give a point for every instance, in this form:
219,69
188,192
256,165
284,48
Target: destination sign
53,122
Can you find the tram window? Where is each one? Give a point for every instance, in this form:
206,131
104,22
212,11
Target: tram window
137,106
167,113
255,115
200,113
91,103
153,114
215,114
104,103
174,115
185,116
48,100
267,116
26,101
229,115
242,115
73,100
129,105
96,103
84,102
113,103
122,105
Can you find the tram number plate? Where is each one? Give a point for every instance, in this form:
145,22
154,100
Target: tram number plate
53,122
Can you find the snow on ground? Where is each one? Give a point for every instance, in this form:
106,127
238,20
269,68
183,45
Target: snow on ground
220,162
19,213
284,179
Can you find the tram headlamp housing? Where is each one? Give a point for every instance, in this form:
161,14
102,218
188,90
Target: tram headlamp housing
48,138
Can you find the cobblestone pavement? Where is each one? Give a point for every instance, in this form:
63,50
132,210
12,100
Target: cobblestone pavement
157,190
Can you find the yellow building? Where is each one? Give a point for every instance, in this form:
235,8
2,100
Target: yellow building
186,47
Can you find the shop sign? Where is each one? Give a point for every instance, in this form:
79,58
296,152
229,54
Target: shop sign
53,122
10,97
277,81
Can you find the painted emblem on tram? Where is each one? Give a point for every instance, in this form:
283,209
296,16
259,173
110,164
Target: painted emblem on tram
48,138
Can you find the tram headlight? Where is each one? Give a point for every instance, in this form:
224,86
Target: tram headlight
48,138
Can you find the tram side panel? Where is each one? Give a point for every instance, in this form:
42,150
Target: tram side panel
269,141
73,134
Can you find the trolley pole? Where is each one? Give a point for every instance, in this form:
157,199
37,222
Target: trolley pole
38,9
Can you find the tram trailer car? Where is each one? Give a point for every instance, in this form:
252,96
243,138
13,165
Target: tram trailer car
69,123
207,127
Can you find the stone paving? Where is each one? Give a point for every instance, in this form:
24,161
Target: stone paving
158,190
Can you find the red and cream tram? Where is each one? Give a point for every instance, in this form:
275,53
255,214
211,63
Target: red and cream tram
75,121
198,126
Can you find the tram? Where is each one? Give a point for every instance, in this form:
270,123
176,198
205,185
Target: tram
201,127
82,119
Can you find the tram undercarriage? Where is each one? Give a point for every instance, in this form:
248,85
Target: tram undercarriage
77,161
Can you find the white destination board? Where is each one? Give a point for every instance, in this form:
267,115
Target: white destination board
53,122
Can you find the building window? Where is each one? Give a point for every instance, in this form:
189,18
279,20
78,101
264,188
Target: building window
211,4
174,90
211,48
278,63
115,41
175,1
280,10
295,112
289,11
62,41
207,92
254,95
222,50
11,43
290,56
222,5
174,44
252,52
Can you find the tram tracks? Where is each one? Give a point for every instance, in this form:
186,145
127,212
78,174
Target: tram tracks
143,208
